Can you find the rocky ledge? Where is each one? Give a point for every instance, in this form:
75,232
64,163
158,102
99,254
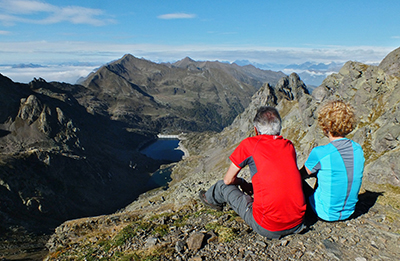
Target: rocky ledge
194,232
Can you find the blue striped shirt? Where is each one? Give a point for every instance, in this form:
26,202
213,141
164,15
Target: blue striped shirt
339,166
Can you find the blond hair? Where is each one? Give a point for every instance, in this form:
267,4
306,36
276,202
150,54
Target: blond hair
337,118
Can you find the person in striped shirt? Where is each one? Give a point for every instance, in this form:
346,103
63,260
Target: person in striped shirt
338,166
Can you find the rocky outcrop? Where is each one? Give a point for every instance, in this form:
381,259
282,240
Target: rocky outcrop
375,96
391,63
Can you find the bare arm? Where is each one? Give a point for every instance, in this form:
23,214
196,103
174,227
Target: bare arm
231,175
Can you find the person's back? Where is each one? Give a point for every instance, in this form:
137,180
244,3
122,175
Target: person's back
278,196
338,165
339,178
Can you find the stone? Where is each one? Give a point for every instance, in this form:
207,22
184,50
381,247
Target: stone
151,242
212,237
196,258
179,246
195,241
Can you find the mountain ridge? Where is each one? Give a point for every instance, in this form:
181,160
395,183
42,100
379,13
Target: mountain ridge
185,94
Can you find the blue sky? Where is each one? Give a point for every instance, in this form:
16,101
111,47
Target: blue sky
50,32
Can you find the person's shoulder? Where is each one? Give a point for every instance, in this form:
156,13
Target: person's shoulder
325,147
250,140
355,144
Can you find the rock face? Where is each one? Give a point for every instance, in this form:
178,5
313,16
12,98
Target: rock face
391,63
184,96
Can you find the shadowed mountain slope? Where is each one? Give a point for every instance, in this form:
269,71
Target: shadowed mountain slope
58,161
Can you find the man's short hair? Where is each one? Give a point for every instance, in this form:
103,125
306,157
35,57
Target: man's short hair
268,121
337,118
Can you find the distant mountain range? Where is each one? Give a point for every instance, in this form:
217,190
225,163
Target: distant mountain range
29,65
311,73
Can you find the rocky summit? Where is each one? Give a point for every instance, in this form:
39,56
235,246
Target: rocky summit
173,224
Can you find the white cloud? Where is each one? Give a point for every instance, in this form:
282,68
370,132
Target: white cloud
19,11
75,15
4,32
25,6
176,16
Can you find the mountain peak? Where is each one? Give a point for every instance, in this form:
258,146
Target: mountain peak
185,62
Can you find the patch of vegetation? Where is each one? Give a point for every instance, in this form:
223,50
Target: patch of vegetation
391,197
225,233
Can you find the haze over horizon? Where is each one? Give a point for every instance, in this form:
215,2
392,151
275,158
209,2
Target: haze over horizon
71,39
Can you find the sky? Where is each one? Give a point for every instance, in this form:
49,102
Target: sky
71,38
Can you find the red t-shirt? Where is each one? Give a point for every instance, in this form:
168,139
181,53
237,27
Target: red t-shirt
278,195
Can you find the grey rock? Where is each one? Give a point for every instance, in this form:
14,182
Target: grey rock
151,242
180,246
195,241
391,63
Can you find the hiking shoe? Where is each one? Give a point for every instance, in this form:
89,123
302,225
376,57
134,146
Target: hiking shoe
202,196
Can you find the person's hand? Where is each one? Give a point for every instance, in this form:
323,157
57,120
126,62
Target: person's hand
246,187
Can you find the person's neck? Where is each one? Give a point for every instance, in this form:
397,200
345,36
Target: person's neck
331,138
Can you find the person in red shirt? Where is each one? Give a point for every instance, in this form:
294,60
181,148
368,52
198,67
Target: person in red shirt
273,204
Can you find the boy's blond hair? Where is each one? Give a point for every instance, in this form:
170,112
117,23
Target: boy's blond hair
337,118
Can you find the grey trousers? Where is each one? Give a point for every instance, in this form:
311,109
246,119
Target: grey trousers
242,204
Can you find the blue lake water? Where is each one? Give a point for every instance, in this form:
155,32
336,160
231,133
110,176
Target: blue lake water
160,178
164,149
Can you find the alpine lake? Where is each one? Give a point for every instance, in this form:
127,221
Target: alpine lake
165,149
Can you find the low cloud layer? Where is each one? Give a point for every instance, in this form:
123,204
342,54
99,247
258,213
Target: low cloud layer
51,54
57,52
58,73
